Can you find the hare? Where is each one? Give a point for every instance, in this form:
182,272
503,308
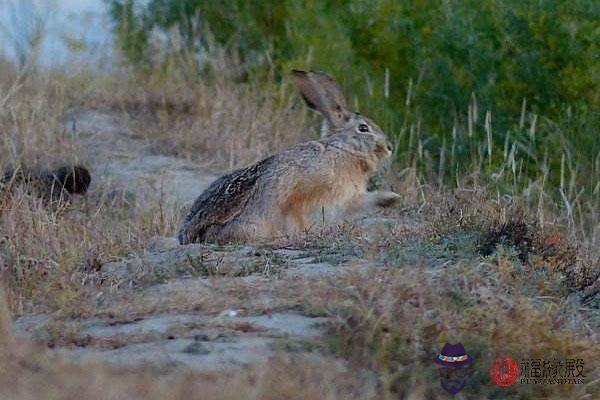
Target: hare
280,194
52,186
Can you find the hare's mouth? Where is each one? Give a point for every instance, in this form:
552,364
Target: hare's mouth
383,150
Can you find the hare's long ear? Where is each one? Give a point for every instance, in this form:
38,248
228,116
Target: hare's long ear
322,93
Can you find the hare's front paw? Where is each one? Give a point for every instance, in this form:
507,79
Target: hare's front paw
386,199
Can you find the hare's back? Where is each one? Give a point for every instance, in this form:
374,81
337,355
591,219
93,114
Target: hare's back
226,197
222,201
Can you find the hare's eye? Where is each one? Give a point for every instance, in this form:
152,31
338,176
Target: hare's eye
363,128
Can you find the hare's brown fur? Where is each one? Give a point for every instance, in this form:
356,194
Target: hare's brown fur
280,194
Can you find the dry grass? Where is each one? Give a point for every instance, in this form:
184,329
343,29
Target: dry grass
526,297
28,372
216,119
465,266
47,255
394,322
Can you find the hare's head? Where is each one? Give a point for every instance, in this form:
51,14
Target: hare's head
357,132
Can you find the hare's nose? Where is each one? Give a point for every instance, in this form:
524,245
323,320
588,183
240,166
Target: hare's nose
389,147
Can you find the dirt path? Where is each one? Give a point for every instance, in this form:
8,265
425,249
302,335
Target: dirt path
196,306
126,164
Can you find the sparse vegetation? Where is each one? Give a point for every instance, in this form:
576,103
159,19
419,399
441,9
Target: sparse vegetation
495,243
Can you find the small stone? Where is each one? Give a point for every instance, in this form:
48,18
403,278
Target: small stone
228,313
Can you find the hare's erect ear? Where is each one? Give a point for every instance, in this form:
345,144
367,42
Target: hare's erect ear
322,93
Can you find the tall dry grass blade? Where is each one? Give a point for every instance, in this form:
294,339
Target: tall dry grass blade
475,111
488,131
562,173
506,145
409,92
532,128
442,166
453,150
6,332
523,111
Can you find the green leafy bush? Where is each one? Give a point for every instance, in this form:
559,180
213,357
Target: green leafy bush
499,85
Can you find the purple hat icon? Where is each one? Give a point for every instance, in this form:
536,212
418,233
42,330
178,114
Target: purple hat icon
453,355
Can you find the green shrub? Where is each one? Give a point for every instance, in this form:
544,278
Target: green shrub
428,71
